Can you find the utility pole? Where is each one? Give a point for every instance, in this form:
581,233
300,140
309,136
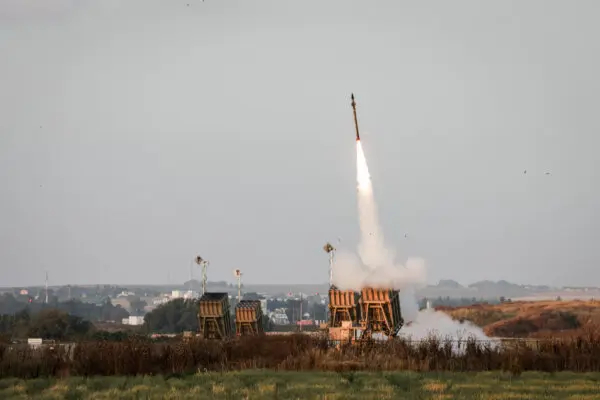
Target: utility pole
329,249
301,314
204,276
46,287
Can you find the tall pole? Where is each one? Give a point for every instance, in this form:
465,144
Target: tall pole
301,314
204,264
204,275
329,249
331,255
46,287
239,286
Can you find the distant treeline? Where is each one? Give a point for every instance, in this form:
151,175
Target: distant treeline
179,315
53,324
454,302
47,324
11,305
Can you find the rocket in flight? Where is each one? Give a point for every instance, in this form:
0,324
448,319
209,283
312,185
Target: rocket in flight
355,120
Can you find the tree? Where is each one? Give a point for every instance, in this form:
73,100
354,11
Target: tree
319,311
267,323
58,325
137,305
9,304
175,316
112,313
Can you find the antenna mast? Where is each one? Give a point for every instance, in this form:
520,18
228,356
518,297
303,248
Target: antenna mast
238,275
204,264
331,251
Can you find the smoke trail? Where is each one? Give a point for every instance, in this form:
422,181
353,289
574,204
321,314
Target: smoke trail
372,250
375,267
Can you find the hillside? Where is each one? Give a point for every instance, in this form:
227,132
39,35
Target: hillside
532,319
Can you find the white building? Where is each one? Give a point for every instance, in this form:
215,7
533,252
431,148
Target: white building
279,317
190,294
133,320
160,300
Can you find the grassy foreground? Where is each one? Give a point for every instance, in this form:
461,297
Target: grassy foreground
263,384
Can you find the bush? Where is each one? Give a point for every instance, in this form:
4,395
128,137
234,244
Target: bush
142,356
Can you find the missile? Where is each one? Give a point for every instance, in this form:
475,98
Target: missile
355,120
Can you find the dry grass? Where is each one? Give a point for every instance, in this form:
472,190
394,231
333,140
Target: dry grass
540,319
295,353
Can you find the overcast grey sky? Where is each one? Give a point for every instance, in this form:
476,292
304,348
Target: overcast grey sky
137,134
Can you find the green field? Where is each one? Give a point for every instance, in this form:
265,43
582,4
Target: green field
313,385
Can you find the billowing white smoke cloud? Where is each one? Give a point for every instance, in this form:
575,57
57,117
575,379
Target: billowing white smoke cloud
436,324
351,273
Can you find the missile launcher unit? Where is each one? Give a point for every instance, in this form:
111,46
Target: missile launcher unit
343,306
248,318
214,316
380,311
354,315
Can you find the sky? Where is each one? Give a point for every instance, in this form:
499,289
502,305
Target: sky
135,135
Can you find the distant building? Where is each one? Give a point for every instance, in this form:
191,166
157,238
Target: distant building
190,294
279,317
121,301
24,292
160,300
133,320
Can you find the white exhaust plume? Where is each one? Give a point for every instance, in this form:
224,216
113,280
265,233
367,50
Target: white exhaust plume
375,267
